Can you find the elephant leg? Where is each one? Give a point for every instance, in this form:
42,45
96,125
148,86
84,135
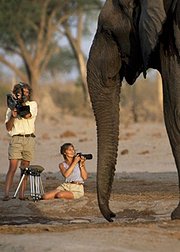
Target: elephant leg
171,104
104,88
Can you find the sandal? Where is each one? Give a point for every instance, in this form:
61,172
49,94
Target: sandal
6,198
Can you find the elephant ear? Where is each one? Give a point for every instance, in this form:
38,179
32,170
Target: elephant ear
151,20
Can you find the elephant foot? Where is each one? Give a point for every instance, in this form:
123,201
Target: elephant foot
176,213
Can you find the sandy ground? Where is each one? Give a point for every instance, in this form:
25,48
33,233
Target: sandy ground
145,191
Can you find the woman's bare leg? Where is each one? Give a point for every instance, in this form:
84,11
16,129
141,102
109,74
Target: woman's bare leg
58,195
64,195
50,195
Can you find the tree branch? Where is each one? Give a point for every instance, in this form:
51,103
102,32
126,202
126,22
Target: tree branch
24,51
49,54
41,32
19,73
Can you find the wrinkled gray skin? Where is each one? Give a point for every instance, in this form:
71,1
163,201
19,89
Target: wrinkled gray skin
131,37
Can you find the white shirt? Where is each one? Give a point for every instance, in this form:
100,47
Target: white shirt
21,125
75,176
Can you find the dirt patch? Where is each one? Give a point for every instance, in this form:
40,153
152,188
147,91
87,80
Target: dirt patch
133,201
144,193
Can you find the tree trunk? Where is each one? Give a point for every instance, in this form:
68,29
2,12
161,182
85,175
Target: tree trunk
82,70
33,81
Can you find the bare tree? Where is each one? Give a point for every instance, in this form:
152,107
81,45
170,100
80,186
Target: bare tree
33,41
75,43
29,30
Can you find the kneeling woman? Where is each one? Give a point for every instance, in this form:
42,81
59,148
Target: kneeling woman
74,170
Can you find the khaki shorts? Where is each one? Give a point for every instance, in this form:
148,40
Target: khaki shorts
77,190
21,148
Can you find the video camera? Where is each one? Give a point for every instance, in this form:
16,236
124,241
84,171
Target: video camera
87,156
17,100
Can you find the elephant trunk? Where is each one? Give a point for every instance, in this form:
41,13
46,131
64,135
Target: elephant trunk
105,103
107,137
103,77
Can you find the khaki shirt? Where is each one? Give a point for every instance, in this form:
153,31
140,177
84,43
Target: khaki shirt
21,125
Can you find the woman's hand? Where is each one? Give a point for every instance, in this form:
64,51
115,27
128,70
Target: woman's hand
82,161
77,158
84,174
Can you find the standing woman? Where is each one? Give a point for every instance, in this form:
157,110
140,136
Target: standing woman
74,171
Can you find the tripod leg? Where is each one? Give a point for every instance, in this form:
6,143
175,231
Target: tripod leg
38,189
20,182
32,186
41,186
30,179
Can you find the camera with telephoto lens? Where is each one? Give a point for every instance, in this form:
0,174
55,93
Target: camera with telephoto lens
87,156
17,100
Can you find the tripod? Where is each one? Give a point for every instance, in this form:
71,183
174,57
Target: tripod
36,186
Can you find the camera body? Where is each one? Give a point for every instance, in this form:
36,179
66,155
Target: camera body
17,100
87,156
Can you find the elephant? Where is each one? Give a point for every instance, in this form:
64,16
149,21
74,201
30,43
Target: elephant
131,37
